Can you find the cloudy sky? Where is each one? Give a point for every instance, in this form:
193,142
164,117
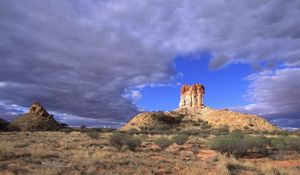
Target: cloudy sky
100,62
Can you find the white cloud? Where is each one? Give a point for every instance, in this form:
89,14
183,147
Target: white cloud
275,95
132,94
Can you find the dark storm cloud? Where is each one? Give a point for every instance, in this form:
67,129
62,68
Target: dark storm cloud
78,57
72,58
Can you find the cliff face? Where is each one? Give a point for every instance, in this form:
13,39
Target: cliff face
192,96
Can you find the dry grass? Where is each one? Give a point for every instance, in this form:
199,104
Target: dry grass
52,153
232,166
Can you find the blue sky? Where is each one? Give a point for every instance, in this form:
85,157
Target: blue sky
225,87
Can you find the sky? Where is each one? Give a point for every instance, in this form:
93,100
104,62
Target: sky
99,63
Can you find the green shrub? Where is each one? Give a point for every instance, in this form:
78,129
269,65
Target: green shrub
180,139
286,143
133,142
224,144
117,140
293,143
163,142
93,134
256,144
221,131
237,133
238,145
278,143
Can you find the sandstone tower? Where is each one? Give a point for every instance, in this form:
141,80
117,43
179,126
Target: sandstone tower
192,96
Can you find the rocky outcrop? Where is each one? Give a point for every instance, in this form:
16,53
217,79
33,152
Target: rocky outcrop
38,110
198,119
192,96
193,115
226,118
37,119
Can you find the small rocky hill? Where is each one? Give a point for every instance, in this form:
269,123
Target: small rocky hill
197,119
193,115
37,119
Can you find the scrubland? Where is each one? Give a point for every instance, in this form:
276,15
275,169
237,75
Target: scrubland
92,151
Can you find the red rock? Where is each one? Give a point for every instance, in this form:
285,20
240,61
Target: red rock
192,96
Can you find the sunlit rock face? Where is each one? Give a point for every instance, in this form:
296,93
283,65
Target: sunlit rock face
37,109
192,96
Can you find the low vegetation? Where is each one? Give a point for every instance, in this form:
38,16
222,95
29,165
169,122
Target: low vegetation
285,143
163,142
118,140
97,151
232,166
133,142
238,145
180,139
93,134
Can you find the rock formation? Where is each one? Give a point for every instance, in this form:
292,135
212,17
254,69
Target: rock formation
192,96
37,109
37,119
193,115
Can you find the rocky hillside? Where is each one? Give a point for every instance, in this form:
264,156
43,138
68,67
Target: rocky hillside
198,119
37,119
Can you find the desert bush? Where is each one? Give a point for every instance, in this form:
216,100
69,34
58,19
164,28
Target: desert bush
163,127
297,132
180,139
285,143
93,134
237,133
163,142
133,131
133,142
248,131
279,132
117,140
293,143
238,145
256,144
226,144
67,130
278,143
221,131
